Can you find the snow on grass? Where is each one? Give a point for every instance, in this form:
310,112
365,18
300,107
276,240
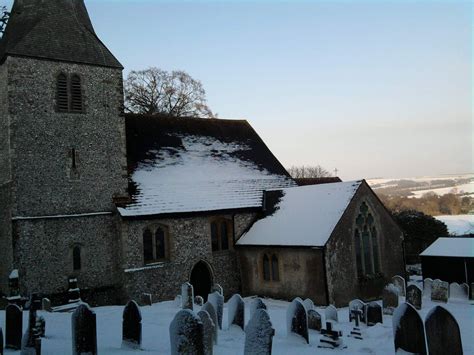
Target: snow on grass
458,224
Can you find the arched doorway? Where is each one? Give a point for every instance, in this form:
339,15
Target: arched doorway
201,279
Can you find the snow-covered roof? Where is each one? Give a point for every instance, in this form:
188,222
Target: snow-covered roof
454,247
302,216
180,165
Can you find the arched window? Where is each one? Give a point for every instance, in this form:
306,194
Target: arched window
160,243
275,269
69,93
221,233
155,244
266,268
214,237
62,97
366,243
224,236
147,245
76,94
76,258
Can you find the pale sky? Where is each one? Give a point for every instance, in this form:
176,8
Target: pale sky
372,88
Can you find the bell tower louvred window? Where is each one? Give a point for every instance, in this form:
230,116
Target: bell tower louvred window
69,96
76,94
62,93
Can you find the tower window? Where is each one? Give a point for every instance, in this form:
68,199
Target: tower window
271,269
62,93
76,94
69,93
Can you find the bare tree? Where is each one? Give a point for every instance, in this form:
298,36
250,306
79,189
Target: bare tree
176,93
4,15
302,171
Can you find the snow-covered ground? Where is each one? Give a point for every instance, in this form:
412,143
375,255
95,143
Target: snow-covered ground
157,318
458,224
457,190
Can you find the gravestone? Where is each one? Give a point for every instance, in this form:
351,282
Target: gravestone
46,305
186,334
389,299
209,308
414,296
471,294
399,282
208,332
354,305
217,300
147,299
131,326
28,342
40,327
187,296
374,314
35,301
356,332
440,291
331,313
256,303
427,287
198,300
1,341
74,291
84,334
457,291
442,333
13,327
14,285
217,288
236,307
314,320
308,304
465,287
331,338
259,334
177,301
297,319
408,330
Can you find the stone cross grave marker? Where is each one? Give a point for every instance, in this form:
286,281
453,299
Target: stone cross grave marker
131,326
427,287
84,331
256,303
308,304
408,330
74,291
374,314
356,332
209,308
187,296
217,300
314,320
198,300
297,319
331,338
236,307
259,334
399,282
186,334
331,313
41,326
13,327
440,291
208,332
442,333
389,299
414,296
457,291
355,305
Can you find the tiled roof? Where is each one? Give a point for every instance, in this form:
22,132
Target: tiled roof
317,181
55,30
180,165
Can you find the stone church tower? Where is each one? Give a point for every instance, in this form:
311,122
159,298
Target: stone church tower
62,149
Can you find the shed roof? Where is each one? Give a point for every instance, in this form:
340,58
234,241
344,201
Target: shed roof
451,247
302,216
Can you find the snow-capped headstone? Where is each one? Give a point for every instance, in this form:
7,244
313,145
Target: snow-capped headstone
308,304
217,300
217,288
131,326
374,313
14,284
256,303
208,332
84,334
399,282
442,333
427,287
187,296
186,334
259,334
209,308
198,300
390,298
297,319
457,291
357,305
331,313
236,308
177,301
414,296
73,290
314,320
147,299
440,291
13,327
46,305
408,330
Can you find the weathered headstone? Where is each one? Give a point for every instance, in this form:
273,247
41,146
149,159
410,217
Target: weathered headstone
331,313
217,288
259,334
74,291
414,296
131,326
208,332
217,300
147,299
390,299
187,296
308,304
186,334
427,287
457,291
440,291
374,314
84,333
465,287
14,286
209,308
297,319
46,305
330,337
408,330
354,305
442,333
256,303
236,307
399,282
13,327
314,320
198,300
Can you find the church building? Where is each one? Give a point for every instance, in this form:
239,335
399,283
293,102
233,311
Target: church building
131,204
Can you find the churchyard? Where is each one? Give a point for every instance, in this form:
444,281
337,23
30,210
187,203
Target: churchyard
288,327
